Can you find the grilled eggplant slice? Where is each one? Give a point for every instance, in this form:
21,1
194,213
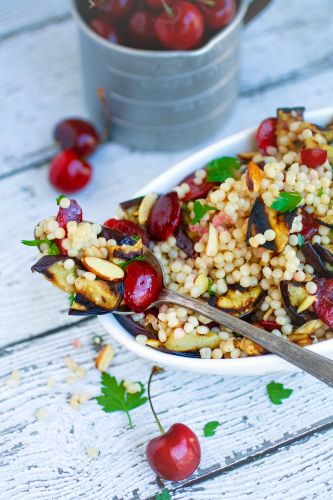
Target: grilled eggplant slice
98,296
51,266
262,218
293,295
126,252
320,257
239,301
192,342
302,336
183,241
134,202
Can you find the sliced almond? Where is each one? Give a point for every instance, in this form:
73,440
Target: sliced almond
201,282
306,303
145,207
213,241
103,268
104,358
253,176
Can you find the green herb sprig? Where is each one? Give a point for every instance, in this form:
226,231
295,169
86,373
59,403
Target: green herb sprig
200,211
287,201
276,392
220,169
52,246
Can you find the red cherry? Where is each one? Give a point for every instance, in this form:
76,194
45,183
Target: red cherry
155,4
69,173
104,28
141,29
142,285
266,134
128,227
164,217
182,28
72,213
310,226
116,9
77,134
220,14
313,157
176,454
268,325
323,306
197,190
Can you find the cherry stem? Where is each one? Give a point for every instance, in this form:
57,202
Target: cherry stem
155,369
167,8
210,3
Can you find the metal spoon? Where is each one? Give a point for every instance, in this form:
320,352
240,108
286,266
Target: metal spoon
318,366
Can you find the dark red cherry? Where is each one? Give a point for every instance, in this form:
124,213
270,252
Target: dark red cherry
129,228
197,190
68,172
268,325
176,454
219,14
313,157
181,27
116,9
164,217
156,5
323,306
142,285
77,134
310,226
105,29
72,213
141,29
266,134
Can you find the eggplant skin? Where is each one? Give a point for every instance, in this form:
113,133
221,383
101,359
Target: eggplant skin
126,252
240,301
316,255
293,294
262,218
113,234
325,220
50,266
183,241
98,296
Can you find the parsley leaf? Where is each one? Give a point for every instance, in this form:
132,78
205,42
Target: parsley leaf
114,397
210,291
210,428
124,264
53,247
136,237
60,197
71,298
277,392
300,240
320,192
287,201
200,210
220,169
164,495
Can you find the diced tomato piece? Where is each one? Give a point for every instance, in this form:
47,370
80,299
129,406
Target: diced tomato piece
266,134
313,157
324,303
128,227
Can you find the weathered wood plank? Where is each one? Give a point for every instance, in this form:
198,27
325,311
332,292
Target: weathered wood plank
47,458
21,16
275,51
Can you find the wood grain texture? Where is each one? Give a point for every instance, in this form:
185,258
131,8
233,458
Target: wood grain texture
48,458
277,49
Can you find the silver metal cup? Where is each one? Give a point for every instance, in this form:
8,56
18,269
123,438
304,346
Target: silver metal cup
162,100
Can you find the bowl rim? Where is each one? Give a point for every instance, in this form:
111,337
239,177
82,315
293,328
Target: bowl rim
252,365
162,54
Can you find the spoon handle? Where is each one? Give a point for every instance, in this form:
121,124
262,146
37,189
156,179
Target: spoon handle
315,364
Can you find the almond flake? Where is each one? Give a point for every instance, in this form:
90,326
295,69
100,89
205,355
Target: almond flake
254,176
104,358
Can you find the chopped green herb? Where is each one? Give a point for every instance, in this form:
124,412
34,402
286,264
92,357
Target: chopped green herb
277,392
210,428
200,210
136,237
60,197
53,247
300,240
320,192
114,397
210,291
124,264
164,495
220,169
71,298
287,201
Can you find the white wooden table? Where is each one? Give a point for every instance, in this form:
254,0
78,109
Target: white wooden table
261,450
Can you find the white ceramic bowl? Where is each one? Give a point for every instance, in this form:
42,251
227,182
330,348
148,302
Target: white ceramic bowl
256,365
